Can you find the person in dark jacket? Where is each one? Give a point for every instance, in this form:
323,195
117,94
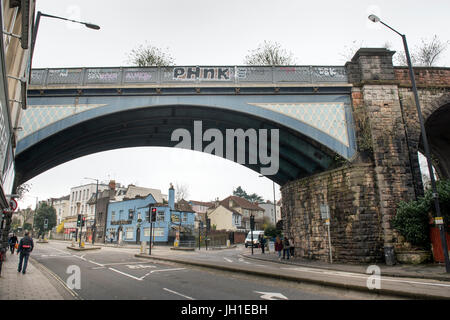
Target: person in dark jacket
12,243
286,246
262,241
26,245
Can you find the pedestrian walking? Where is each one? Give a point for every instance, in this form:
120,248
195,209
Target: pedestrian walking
12,243
278,246
262,241
286,246
26,245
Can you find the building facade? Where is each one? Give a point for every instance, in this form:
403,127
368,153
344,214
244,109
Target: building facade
200,208
16,21
271,215
127,221
233,213
61,206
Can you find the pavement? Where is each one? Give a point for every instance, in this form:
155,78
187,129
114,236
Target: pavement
427,281
432,282
38,283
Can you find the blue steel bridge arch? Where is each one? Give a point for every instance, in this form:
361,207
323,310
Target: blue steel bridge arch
121,121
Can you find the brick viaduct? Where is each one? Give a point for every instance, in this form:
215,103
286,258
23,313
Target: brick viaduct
363,194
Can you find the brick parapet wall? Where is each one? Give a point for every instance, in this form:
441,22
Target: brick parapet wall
424,76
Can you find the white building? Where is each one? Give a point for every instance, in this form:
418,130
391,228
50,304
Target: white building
62,208
79,197
269,214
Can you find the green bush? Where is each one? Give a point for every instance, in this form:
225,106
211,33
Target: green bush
271,231
411,221
412,218
443,189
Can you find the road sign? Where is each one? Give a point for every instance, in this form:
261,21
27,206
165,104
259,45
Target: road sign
13,204
325,211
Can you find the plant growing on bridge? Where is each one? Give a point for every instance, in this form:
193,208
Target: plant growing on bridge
149,56
269,54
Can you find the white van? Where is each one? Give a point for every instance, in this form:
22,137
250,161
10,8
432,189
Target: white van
248,240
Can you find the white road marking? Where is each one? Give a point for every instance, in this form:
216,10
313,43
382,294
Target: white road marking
177,293
139,266
99,264
354,275
162,270
271,295
127,263
125,274
228,260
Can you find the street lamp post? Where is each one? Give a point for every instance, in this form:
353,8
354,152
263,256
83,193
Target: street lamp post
375,19
36,28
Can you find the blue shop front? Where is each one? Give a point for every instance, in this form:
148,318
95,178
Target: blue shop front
127,220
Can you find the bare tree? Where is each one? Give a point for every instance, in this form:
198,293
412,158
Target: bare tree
23,189
350,50
269,54
426,54
149,56
181,192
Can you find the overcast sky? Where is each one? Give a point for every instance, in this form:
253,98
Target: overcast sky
210,32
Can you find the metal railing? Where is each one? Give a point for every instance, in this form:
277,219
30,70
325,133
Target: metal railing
123,76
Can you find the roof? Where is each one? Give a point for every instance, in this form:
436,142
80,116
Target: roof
201,203
183,206
133,191
226,207
240,202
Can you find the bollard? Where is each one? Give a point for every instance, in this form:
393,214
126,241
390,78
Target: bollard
228,243
143,246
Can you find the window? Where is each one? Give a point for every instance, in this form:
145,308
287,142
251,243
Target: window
237,220
160,216
113,215
129,233
120,214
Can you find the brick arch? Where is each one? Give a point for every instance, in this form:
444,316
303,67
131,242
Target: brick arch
431,111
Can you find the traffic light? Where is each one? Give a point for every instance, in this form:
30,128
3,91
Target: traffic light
208,224
252,222
153,215
79,221
83,221
45,223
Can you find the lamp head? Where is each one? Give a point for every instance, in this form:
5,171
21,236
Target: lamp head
374,18
92,26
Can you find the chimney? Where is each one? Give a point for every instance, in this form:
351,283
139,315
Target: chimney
112,189
171,197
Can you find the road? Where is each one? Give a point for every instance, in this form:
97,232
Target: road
115,273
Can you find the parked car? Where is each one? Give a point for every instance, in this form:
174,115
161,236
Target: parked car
248,240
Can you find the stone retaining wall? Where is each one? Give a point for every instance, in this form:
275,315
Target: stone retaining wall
356,232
